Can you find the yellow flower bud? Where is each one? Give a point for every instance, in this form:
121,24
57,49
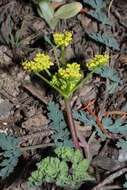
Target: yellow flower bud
62,39
98,60
39,63
66,79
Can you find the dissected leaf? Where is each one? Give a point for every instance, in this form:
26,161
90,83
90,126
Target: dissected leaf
61,134
125,184
101,17
11,153
118,126
68,10
109,41
122,144
113,81
96,4
88,120
57,169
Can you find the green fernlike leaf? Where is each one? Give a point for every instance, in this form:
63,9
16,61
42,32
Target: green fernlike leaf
101,17
68,10
57,169
109,41
96,4
11,153
61,134
125,184
118,126
87,120
46,11
114,81
122,144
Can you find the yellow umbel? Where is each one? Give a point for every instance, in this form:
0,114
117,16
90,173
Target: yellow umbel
39,63
98,60
62,39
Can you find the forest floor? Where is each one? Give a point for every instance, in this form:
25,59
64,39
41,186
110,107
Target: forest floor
24,97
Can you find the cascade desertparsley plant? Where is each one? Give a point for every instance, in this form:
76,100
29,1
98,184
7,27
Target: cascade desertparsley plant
68,77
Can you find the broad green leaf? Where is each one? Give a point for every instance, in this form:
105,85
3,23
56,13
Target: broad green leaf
47,12
69,10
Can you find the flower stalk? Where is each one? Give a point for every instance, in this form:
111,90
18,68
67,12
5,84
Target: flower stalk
63,55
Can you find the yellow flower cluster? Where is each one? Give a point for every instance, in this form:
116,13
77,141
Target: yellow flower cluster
39,63
98,60
62,39
66,79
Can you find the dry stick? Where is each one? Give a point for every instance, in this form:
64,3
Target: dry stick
37,146
114,113
71,123
109,8
110,179
111,187
104,102
85,145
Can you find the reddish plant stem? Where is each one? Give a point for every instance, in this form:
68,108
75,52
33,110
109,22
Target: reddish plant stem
71,123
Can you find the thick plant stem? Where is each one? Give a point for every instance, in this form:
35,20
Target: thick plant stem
71,123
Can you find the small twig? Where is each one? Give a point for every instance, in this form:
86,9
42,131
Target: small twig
110,178
114,113
85,146
37,146
35,92
100,115
91,137
109,8
110,187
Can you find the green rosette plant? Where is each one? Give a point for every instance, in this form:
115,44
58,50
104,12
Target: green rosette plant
68,169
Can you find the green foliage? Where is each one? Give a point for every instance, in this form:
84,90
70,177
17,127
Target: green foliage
101,17
96,4
68,10
118,127
61,135
122,144
11,153
46,11
109,41
57,169
15,41
113,81
88,120
125,184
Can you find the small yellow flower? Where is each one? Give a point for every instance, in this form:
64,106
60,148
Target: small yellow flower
98,60
39,63
62,39
66,79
